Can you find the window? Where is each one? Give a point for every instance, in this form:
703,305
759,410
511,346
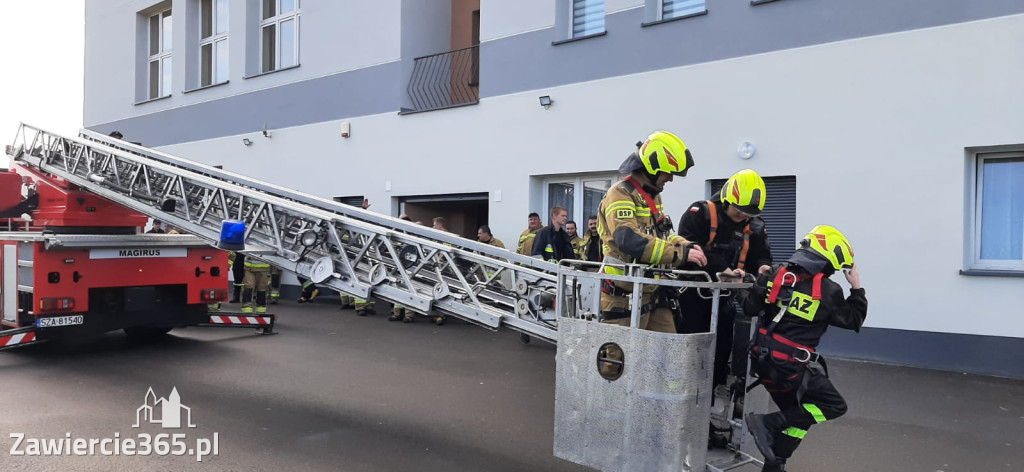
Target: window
213,42
279,34
996,211
580,195
159,57
677,8
779,214
587,18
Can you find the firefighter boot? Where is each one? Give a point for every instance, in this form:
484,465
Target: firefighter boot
408,317
764,428
778,466
439,320
397,313
261,302
346,301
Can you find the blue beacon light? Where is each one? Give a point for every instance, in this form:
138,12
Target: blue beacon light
232,235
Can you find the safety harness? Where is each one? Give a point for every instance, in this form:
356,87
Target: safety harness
713,216
769,345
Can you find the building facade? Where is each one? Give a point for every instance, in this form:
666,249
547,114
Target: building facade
896,121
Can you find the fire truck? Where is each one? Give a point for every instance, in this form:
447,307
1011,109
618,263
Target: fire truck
73,261
75,264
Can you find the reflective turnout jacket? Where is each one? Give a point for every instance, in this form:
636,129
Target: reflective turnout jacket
626,227
525,246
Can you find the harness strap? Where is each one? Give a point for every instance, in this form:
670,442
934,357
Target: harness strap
655,214
713,214
746,247
784,349
779,282
816,286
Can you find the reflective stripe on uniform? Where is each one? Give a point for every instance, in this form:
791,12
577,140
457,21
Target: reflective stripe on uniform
815,412
614,270
795,432
659,251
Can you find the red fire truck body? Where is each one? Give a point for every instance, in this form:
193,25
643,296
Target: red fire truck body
77,265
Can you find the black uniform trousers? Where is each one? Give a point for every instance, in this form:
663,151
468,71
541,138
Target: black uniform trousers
819,402
696,318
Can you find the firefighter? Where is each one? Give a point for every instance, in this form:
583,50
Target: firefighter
525,246
574,238
734,240
634,229
309,290
237,262
275,285
398,312
590,246
484,235
256,282
797,302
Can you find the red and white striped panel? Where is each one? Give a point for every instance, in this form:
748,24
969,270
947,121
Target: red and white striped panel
241,320
23,338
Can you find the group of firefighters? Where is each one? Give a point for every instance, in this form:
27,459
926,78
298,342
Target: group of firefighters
793,302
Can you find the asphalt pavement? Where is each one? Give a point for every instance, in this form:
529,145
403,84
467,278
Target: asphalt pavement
334,391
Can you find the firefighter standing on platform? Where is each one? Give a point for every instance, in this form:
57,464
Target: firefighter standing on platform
634,229
797,302
734,240
256,282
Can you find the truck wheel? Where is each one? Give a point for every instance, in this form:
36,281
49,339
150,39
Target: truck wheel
145,333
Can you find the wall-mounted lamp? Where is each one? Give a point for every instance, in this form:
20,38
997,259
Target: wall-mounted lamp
266,134
746,150
546,101
247,141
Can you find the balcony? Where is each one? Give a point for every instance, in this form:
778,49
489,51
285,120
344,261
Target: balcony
446,80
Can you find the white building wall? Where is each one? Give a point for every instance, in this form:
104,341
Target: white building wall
334,36
877,142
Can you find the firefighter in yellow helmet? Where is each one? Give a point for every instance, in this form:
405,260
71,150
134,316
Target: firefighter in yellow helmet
734,239
634,229
796,302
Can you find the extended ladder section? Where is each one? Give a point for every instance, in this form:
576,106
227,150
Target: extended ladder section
338,246
612,382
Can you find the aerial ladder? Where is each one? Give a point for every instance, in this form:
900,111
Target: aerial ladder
601,421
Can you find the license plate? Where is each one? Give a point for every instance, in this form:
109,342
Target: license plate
56,321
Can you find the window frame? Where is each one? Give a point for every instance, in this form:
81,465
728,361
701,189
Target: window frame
160,56
661,12
577,182
654,13
974,201
212,41
276,21
572,18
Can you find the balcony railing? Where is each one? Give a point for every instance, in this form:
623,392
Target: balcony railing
445,80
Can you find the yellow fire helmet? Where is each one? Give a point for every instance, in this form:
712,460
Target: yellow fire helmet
829,243
665,152
745,189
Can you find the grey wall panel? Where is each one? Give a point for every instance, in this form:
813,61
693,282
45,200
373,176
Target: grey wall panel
730,29
361,92
992,355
